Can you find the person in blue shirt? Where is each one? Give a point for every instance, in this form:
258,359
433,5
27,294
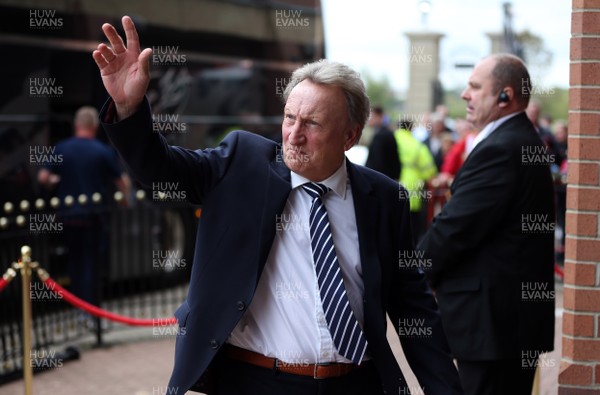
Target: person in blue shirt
86,166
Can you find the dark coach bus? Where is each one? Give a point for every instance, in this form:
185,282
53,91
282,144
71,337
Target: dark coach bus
216,66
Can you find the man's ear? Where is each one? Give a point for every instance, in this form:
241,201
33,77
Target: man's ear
352,137
508,95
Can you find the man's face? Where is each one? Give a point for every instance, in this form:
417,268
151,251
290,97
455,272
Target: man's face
316,130
375,119
437,128
533,112
482,100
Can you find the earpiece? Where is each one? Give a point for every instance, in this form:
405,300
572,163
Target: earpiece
503,97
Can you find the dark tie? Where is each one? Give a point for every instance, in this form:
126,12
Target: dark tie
347,334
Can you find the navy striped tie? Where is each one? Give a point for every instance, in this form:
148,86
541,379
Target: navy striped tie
345,330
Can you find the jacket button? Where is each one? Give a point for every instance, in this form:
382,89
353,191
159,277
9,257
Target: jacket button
214,344
240,305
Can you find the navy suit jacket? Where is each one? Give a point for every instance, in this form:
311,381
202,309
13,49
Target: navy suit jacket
492,249
243,185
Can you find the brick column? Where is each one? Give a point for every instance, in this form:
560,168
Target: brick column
580,364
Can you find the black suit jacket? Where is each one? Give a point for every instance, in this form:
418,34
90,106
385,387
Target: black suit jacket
491,249
438,157
243,185
384,156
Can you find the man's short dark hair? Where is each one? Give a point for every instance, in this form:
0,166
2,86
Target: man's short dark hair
510,70
377,110
405,123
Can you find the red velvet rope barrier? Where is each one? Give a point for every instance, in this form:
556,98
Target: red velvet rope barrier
7,278
98,312
3,284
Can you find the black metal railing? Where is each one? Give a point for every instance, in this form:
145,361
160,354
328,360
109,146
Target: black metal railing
143,258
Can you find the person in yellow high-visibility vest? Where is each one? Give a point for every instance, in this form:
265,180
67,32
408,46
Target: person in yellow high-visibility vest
418,167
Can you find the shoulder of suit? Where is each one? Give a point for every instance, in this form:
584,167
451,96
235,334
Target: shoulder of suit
245,137
519,121
517,128
374,177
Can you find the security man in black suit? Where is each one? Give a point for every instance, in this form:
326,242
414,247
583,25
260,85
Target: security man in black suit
491,247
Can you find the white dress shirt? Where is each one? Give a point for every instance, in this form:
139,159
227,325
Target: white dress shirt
285,320
490,127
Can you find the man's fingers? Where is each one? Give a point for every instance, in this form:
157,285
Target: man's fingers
144,61
145,55
133,42
116,42
106,52
100,61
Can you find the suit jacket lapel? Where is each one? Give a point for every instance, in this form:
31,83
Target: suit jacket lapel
278,187
366,209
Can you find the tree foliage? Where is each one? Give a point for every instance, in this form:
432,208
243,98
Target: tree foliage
535,54
380,92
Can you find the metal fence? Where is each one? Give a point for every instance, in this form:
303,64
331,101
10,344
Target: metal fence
143,258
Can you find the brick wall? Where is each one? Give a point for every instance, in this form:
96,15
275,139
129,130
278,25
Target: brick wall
580,364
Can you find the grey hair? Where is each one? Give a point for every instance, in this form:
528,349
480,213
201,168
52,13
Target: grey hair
86,116
326,72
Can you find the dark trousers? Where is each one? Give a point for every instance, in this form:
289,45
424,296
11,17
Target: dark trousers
501,377
239,378
86,240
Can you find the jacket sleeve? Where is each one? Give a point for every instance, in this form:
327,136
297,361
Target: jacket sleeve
151,160
416,319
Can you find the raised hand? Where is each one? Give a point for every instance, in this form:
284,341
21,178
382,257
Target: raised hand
124,69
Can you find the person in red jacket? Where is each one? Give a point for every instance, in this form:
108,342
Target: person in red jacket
459,151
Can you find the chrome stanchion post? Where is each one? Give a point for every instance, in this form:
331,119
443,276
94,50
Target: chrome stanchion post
24,265
536,382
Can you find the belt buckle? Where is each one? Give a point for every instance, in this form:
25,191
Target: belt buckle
315,375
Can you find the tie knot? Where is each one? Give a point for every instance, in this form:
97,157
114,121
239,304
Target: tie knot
315,190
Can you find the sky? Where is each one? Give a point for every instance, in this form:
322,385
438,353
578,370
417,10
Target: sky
371,36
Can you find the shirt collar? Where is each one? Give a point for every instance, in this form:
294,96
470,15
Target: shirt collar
490,127
336,182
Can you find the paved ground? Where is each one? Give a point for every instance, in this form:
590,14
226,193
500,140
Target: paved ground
138,362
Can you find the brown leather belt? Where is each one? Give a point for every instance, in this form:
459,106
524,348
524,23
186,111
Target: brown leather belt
317,371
